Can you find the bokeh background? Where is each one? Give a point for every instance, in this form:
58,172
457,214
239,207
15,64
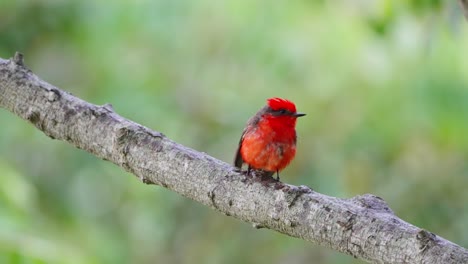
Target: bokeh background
384,84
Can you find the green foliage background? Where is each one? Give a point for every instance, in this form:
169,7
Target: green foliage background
384,84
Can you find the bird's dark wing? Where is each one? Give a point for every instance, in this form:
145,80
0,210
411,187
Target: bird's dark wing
238,159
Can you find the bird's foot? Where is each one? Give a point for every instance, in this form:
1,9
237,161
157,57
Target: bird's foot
243,172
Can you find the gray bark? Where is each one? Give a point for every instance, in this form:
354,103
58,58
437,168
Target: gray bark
363,226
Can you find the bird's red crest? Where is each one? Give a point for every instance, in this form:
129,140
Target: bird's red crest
276,103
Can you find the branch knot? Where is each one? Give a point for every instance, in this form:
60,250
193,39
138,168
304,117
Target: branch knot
373,202
426,239
18,59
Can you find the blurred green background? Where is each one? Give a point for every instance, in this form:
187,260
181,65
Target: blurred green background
384,84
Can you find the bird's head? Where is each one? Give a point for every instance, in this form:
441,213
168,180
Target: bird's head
282,111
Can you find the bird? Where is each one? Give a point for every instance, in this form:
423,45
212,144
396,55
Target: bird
268,142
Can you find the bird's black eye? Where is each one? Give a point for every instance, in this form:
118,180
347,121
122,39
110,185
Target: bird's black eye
281,111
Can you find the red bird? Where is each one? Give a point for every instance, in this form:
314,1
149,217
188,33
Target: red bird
268,142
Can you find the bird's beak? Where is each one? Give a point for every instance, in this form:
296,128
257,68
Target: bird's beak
298,114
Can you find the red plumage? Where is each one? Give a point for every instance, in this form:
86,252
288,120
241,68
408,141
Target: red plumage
268,142
276,103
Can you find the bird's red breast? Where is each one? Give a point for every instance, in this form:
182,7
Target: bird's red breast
269,146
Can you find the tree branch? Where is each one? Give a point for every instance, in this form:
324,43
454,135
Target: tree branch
363,226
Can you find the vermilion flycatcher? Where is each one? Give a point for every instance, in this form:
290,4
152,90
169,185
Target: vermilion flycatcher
268,142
